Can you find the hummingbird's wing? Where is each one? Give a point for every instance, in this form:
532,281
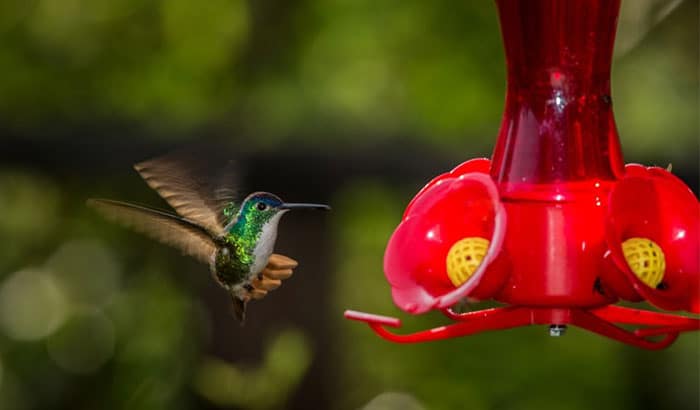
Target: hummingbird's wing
169,229
184,181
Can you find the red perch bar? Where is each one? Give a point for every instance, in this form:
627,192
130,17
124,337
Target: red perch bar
555,226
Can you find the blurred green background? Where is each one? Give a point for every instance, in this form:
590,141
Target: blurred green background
352,102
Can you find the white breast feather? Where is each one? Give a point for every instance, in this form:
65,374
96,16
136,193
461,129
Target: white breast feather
266,244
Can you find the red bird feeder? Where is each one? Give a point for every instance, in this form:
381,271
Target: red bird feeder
554,226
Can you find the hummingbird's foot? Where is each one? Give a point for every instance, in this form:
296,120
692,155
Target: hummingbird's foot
279,267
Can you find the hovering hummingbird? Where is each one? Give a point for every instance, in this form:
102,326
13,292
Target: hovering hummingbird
235,239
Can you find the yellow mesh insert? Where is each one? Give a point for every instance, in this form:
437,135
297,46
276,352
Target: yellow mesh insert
646,260
464,258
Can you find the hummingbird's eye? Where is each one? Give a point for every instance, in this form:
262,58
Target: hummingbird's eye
262,206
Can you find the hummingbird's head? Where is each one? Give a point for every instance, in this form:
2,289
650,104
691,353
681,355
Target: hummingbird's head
255,226
264,207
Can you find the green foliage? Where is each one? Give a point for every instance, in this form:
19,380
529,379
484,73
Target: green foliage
662,115
327,70
92,316
267,387
159,62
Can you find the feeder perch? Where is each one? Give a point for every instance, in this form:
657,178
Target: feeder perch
554,226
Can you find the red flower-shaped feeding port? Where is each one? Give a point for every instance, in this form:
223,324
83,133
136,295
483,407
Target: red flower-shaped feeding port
555,226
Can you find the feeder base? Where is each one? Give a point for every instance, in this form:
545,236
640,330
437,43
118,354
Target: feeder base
655,330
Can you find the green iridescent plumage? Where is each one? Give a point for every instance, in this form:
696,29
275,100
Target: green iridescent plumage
242,237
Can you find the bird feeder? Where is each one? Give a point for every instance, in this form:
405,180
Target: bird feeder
554,226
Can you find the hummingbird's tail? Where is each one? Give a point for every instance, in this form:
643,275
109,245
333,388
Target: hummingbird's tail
239,306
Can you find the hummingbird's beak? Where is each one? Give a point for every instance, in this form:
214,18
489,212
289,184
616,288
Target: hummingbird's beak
305,206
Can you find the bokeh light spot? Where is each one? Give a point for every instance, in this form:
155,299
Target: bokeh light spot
84,344
393,401
32,305
87,271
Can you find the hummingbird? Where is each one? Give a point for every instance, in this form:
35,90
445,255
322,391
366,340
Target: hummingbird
236,239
